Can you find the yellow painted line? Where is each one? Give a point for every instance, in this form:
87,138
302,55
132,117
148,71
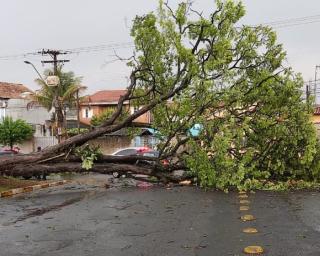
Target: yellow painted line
244,202
17,191
6,193
254,249
248,217
36,187
46,185
244,208
250,230
28,189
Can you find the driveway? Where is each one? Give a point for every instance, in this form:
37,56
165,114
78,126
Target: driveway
82,220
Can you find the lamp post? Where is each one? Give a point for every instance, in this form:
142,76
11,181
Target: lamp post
29,63
54,82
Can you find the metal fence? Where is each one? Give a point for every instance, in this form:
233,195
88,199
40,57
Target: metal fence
44,142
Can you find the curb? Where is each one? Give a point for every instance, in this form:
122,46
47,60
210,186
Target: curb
16,191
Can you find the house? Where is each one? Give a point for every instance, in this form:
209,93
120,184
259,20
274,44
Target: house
97,103
315,118
10,92
14,102
316,115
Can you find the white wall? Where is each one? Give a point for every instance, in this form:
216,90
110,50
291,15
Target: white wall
17,109
2,113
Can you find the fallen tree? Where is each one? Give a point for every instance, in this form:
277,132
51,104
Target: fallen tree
228,80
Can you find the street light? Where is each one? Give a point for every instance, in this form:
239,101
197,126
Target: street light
51,81
29,63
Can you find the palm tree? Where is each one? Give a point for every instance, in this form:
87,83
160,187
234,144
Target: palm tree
58,98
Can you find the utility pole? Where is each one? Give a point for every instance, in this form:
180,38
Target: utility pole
307,92
59,111
54,55
315,84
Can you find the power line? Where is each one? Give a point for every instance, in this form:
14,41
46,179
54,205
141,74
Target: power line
95,48
295,24
103,47
19,56
126,45
293,21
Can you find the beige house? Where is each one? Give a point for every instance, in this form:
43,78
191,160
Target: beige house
315,118
14,102
97,103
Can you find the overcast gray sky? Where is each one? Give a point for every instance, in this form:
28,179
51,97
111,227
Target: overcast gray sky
28,26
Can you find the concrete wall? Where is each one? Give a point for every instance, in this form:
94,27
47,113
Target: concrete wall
26,147
17,109
315,119
110,144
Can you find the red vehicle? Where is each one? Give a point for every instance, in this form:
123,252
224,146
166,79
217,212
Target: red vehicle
9,152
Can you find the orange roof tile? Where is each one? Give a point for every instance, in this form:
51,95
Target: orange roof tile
106,96
12,91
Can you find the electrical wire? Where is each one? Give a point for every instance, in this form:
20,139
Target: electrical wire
127,45
292,21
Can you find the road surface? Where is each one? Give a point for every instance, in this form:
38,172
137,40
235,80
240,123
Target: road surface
81,220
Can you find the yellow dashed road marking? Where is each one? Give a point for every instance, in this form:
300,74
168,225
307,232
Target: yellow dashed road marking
250,230
244,202
253,249
244,208
248,217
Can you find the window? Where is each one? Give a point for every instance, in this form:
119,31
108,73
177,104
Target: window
87,113
134,109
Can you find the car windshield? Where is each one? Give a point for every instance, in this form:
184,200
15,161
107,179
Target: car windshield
126,152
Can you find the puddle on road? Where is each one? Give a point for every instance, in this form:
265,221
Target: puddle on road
41,211
34,212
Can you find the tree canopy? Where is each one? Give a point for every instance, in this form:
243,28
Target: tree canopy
229,79
59,98
14,132
66,91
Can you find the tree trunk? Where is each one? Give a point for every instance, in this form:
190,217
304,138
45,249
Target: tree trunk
103,168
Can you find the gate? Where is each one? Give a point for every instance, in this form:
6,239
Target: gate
44,142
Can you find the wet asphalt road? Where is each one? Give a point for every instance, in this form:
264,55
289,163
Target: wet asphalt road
159,222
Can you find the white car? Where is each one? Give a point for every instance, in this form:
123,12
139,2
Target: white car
130,151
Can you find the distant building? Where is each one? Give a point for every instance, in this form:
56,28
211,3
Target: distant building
97,103
14,102
315,118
